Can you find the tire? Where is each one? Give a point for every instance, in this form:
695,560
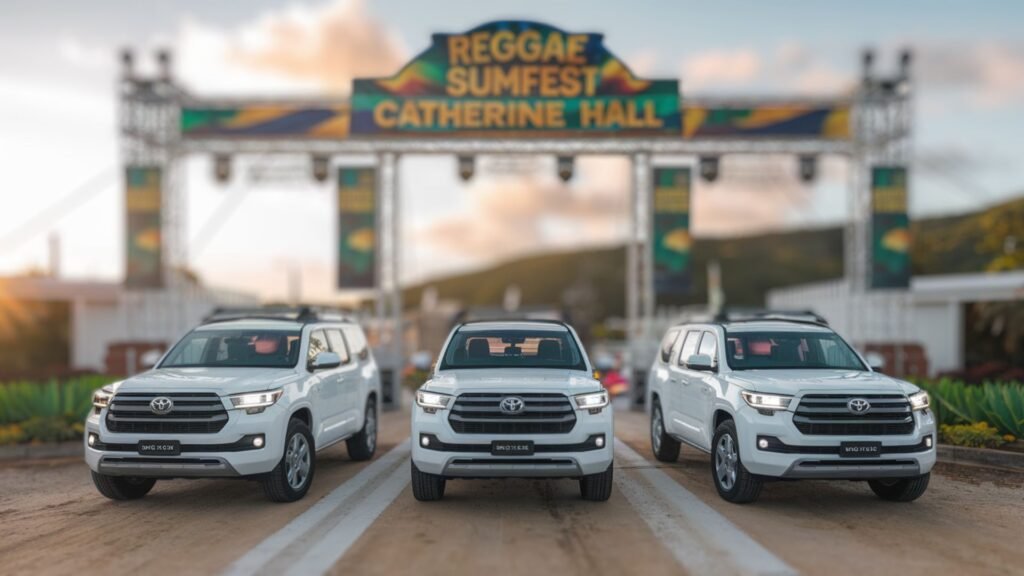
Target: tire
597,487
732,480
902,489
122,487
427,487
279,484
363,445
665,447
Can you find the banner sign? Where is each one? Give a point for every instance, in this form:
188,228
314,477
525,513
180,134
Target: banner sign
890,228
266,121
143,240
515,77
775,120
357,228
671,234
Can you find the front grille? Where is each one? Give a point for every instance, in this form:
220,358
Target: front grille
193,413
478,413
828,415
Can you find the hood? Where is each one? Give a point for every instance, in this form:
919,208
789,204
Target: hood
798,382
223,381
515,379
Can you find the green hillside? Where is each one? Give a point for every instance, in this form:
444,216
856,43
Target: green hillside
751,265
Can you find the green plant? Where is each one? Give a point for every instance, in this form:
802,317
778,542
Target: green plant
999,403
48,411
977,435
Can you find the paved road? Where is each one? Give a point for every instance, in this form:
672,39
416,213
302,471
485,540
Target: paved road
360,518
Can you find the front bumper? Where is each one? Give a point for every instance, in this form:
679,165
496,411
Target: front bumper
228,453
569,455
794,455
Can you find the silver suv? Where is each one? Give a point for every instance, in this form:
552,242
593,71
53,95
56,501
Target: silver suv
776,398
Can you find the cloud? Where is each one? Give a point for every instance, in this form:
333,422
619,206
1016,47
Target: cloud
720,69
991,72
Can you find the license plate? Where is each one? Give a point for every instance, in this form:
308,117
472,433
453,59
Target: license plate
512,448
159,447
860,449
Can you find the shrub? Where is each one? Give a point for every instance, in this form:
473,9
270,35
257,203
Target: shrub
999,403
46,412
977,435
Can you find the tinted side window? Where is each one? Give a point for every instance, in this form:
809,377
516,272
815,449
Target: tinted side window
667,343
338,344
317,344
689,346
356,341
709,346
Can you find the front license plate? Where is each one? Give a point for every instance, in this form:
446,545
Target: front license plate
159,447
512,448
860,449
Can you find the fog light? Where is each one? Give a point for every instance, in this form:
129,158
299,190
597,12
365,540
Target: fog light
92,439
762,443
424,441
258,441
928,441
599,441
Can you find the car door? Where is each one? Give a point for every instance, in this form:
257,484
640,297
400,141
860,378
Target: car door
680,423
347,380
658,377
328,392
701,393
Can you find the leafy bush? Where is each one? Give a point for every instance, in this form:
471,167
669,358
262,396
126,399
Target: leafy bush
46,412
978,435
1001,404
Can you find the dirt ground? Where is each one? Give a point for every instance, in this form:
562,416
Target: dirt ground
52,521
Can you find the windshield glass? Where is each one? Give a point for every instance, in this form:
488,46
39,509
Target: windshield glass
236,349
523,348
781,350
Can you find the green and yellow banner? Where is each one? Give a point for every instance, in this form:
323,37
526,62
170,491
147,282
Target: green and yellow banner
143,238
890,228
515,77
357,228
671,231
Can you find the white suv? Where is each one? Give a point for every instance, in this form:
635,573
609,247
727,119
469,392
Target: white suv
512,399
251,394
787,399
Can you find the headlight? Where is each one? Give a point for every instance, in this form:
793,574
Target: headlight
592,401
920,400
766,401
101,398
256,402
432,401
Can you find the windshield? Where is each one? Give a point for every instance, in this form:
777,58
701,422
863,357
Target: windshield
522,348
781,350
236,349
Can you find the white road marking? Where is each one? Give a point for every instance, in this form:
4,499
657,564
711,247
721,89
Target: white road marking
324,517
701,539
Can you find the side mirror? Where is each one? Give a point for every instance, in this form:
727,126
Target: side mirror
701,362
876,361
325,360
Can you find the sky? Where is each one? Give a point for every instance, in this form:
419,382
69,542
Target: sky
61,175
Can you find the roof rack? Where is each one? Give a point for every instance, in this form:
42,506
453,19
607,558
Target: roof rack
795,316
300,314
507,320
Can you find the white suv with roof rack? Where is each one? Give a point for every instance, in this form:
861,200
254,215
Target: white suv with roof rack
778,398
249,393
512,399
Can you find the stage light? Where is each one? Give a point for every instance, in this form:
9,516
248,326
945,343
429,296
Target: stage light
709,168
467,165
565,167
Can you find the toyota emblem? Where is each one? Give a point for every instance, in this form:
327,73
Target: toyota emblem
512,405
858,406
161,405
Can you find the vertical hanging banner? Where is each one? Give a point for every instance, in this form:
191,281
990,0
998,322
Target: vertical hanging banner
143,238
357,228
671,231
890,228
